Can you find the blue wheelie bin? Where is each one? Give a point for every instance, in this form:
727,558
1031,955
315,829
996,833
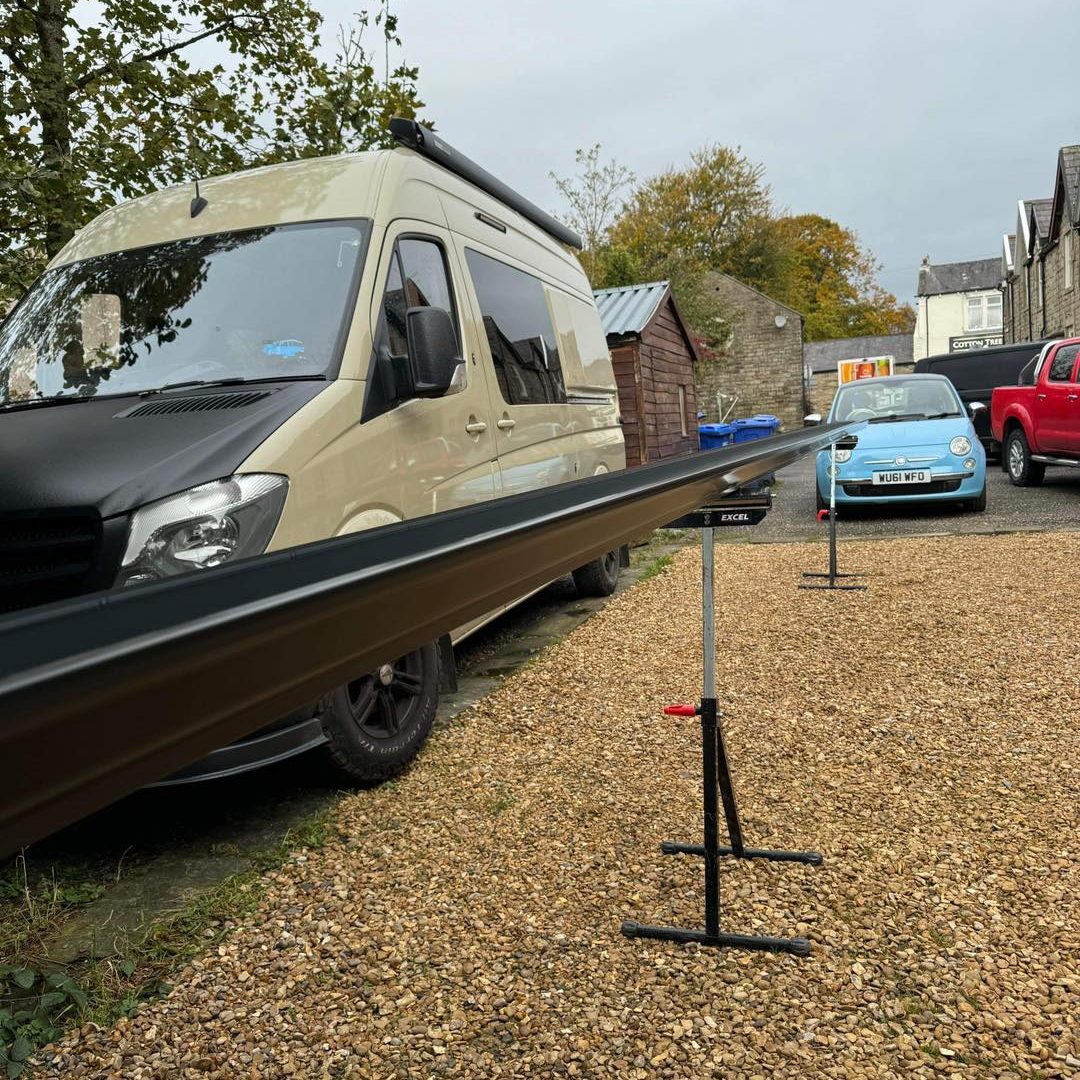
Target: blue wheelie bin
713,436
755,427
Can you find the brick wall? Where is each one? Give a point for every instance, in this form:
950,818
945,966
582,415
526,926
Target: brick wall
763,363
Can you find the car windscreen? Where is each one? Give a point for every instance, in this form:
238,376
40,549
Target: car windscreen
917,398
255,304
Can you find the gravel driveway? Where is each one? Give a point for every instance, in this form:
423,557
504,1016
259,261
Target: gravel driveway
923,735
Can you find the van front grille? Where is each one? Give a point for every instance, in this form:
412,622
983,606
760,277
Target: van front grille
46,558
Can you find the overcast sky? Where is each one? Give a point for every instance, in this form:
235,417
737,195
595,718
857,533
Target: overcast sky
918,124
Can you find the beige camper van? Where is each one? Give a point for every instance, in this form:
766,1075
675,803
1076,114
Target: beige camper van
289,354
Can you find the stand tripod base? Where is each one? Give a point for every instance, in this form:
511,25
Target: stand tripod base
797,946
811,858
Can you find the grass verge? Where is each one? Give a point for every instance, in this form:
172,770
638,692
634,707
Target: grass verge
40,1000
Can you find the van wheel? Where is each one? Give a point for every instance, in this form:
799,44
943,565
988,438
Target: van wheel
599,577
375,725
822,502
1023,472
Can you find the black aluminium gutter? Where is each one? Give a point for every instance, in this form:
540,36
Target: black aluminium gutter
103,694
427,143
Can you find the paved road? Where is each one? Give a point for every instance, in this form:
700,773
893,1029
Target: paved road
1054,505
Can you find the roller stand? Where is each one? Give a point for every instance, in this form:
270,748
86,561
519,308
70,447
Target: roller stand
832,578
717,787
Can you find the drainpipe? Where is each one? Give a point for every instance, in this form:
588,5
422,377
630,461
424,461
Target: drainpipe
1027,289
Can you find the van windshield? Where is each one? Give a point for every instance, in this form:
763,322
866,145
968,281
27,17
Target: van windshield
257,304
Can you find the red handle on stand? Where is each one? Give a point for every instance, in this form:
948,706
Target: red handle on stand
680,710
822,515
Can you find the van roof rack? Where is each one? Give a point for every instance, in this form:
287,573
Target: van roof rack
424,141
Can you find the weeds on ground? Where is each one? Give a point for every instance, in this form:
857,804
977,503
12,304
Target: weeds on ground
656,567
39,1000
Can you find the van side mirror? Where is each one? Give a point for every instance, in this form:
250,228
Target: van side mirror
433,350
975,407
811,420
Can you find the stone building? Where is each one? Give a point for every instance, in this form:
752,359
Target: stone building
1042,263
760,367
654,357
822,357
959,306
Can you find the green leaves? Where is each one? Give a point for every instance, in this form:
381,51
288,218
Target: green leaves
128,105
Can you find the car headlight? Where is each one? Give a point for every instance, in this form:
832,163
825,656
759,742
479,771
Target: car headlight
960,446
203,527
842,456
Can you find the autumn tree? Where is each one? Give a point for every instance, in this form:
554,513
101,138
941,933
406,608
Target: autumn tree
716,214
832,280
593,200
98,108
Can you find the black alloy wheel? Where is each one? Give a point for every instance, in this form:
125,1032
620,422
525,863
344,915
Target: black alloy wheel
376,724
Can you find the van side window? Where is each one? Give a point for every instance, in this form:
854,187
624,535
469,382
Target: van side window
417,277
517,323
1061,367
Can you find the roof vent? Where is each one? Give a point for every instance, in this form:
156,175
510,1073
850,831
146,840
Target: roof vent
202,403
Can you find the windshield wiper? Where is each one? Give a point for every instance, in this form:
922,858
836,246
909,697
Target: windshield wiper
895,416
33,403
942,415
233,380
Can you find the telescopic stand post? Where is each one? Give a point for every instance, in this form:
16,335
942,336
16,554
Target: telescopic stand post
717,782
849,442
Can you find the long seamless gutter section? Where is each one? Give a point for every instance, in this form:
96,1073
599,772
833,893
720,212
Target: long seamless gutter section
104,694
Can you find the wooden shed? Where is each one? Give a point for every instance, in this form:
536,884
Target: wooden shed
654,356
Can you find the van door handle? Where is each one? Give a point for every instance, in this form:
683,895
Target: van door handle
475,427
505,424
1072,397
1041,397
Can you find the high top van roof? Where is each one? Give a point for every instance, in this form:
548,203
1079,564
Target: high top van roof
381,185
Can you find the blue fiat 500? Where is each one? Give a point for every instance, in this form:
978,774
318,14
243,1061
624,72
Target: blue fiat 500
918,445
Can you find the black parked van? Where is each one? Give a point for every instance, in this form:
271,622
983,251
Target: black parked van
976,372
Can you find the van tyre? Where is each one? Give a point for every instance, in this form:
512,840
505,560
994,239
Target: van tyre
599,577
375,725
822,502
1023,472
978,504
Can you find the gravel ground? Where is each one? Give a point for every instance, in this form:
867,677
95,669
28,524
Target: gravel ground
923,735
1053,505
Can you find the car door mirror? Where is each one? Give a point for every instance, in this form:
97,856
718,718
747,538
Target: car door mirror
976,407
811,419
433,350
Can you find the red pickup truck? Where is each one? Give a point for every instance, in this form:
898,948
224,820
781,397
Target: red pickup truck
1038,422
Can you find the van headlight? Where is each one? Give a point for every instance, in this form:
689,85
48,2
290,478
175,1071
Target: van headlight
842,456
203,527
960,446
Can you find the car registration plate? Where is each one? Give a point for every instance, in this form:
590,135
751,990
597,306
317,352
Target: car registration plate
902,476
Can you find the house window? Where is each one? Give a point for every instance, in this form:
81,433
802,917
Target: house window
682,411
984,312
1067,254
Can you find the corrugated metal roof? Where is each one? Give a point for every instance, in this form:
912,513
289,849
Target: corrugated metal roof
628,309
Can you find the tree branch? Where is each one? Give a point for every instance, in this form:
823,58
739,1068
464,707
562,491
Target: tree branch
165,50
